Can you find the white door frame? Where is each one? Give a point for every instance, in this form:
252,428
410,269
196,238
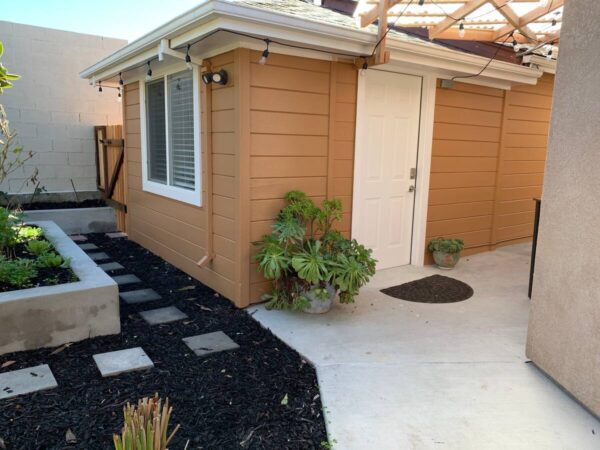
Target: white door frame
417,257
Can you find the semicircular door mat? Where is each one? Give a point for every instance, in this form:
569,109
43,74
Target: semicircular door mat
433,289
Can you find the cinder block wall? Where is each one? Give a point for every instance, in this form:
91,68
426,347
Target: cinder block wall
52,108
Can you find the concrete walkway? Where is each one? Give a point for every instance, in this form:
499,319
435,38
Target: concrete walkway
401,375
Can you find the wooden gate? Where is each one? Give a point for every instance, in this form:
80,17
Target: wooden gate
110,176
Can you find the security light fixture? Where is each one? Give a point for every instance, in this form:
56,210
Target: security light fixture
219,77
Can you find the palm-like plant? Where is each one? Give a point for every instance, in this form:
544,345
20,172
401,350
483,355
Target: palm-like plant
304,252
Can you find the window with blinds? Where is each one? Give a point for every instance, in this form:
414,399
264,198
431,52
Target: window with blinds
157,137
171,151
181,129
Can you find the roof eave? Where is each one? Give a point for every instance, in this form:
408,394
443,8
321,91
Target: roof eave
218,14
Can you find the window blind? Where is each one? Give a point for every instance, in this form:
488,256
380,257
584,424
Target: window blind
181,129
156,131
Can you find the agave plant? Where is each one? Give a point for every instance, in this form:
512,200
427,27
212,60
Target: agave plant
146,426
305,253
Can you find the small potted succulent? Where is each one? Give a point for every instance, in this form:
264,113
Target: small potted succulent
309,262
446,252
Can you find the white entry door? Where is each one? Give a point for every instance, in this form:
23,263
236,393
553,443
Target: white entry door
389,110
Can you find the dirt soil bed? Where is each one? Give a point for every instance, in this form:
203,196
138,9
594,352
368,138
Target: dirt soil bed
227,400
63,205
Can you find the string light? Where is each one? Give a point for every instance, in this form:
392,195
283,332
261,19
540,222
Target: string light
188,58
461,29
119,96
121,82
265,53
99,86
549,54
149,73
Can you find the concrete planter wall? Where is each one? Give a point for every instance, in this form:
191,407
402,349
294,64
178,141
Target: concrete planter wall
54,315
78,220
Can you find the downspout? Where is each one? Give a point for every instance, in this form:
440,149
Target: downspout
206,101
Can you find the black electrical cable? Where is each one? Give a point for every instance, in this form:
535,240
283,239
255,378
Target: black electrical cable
500,46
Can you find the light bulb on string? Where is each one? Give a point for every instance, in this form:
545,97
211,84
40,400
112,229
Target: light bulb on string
188,59
149,73
119,96
265,53
461,29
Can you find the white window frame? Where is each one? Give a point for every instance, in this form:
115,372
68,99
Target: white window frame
193,197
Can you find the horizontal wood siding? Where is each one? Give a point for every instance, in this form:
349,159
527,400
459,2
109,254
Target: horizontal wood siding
466,142
489,149
521,171
177,231
302,120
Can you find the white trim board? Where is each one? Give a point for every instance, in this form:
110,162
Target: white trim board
193,197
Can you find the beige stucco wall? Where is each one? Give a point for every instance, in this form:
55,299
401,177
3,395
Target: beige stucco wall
564,328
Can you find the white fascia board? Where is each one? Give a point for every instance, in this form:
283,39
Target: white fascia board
542,63
218,14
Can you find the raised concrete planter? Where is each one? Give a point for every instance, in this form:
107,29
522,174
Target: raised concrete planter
54,315
78,220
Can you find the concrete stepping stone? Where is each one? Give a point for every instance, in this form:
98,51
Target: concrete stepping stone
126,279
205,344
117,235
99,256
26,381
140,296
111,266
121,361
88,246
163,315
78,238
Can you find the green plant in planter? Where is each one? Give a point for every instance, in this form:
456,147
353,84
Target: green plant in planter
17,272
305,254
38,247
446,252
47,260
446,245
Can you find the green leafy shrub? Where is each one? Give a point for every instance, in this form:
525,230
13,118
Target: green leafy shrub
46,260
9,229
146,426
305,253
27,233
17,272
446,245
38,247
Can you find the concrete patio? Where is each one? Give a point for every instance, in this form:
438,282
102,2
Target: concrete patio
401,375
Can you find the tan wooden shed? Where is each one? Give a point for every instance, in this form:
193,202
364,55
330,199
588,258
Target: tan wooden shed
409,159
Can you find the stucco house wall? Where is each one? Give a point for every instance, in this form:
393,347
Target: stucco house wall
52,108
564,323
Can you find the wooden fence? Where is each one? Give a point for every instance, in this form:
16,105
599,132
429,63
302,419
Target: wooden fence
110,176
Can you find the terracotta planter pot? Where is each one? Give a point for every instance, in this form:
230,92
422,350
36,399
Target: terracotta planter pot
318,306
445,260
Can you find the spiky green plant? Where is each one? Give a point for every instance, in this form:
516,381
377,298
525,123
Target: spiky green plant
146,426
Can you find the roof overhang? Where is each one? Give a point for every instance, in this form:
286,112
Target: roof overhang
214,15
541,63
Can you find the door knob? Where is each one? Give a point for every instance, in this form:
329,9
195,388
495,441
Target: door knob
411,188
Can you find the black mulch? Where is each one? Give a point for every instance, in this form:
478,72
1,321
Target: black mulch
63,205
228,400
433,289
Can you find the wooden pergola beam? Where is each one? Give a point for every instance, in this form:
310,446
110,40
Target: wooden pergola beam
459,14
503,7
530,17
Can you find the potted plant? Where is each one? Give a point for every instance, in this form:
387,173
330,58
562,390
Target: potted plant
446,252
308,261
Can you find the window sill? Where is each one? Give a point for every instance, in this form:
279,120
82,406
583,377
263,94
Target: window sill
174,193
